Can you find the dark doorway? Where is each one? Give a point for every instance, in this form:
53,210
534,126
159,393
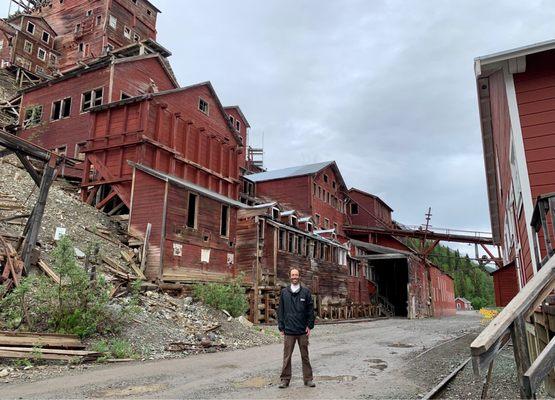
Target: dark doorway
392,278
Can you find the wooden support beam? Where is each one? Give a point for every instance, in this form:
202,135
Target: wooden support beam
15,143
48,177
540,368
106,199
29,168
431,248
522,356
144,254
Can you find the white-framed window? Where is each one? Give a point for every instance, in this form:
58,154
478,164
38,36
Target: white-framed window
127,32
61,151
136,37
33,116
61,109
45,37
224,221
203,106
41,54
1,44
232,120
30,27
89,13
113,22
39,69
91,99
28,47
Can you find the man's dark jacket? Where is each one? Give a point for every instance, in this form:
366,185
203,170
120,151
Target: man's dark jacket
296,311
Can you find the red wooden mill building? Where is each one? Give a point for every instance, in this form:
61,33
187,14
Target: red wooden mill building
176,159
516,91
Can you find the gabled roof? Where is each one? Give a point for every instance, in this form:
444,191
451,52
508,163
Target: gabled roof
463,300
238,109
481,63
16,17
147,96
371,195
292,172
99,64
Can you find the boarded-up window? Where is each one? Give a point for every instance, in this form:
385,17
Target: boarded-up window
192,208
224,221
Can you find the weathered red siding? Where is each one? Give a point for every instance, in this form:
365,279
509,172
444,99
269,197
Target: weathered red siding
371,211
294,192
505,283
443,293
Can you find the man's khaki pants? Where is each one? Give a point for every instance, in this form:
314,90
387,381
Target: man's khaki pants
288,347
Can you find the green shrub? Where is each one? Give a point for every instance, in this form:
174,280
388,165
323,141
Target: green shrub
230,297
75,306
116,348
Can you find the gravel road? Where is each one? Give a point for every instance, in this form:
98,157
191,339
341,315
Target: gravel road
363,360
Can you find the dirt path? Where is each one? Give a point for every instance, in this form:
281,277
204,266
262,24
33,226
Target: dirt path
365,360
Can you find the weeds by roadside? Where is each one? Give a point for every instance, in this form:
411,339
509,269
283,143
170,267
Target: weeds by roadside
230,297
114,349
77,305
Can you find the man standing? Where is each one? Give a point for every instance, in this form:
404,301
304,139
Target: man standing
295,320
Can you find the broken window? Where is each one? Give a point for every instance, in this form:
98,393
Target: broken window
203,106
317,219
113,22
124,96
282,236
79,154
136,37
291,243
91,99
326,223
354,209
127,32
61,109
300,245
224,221
275,213
293,220
33,116
326,178
192,208
309,227
61,151
98,20
237,126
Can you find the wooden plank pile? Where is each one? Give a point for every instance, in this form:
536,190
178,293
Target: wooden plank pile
11,267
44,346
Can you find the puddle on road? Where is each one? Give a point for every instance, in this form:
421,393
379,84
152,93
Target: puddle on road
256,382
338,378
229,366
400,345
130,391
377,363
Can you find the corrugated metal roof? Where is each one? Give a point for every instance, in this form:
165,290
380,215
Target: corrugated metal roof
288,172
190,186
377,249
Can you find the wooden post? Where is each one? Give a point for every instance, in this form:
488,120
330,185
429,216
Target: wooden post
29,167
522,355
48,177
144,254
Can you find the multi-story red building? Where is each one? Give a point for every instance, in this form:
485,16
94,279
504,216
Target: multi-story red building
88,29
55,113
517,114
366,209
315,189
28,42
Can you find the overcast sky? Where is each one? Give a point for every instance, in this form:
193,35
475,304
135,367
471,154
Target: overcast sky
385,88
